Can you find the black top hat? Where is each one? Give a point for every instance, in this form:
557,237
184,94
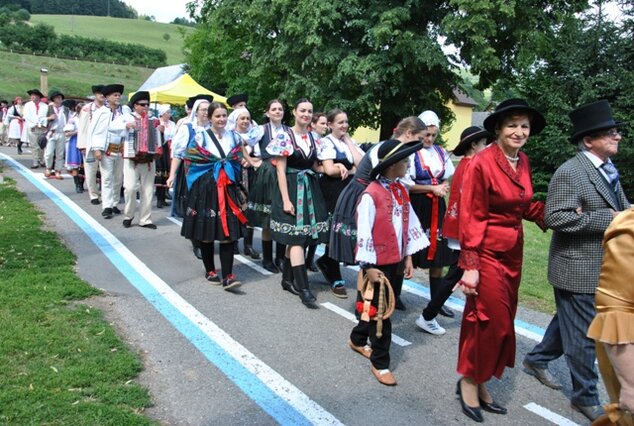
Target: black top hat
56,93
538,122
470,135
391,152
35,92
97,88
70,103
138,97
242,97
191,101
591,118
111,88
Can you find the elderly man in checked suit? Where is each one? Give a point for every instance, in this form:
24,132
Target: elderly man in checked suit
584,196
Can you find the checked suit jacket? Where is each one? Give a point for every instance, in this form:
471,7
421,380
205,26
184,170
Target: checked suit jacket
574,260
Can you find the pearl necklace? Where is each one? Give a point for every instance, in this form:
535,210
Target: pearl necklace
512,159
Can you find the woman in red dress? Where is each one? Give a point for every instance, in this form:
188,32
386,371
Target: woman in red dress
498,190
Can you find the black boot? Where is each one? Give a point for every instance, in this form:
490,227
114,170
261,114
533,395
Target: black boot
280,254
236,247
310,258
248,245
287,277
300,274
76,180
160,197
80,183
196,249
267,253
19,147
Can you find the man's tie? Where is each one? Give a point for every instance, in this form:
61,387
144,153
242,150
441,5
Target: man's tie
613,174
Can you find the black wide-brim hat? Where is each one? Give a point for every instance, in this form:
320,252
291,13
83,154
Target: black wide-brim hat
35,92
242,97
138,97
97,88
470,135
56,93
538,122
191,101
592,118
108,89
391,152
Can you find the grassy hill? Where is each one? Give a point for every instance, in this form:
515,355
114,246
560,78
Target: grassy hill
147,33
71,77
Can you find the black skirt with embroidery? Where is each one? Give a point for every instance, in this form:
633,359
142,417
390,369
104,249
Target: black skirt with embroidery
201,220
261,191
304,228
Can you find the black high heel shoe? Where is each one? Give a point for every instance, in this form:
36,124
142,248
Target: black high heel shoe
474,413
492,407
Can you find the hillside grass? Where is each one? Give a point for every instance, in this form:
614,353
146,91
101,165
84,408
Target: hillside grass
139,31
73,78
60,361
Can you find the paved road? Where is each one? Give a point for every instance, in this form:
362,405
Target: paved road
258,356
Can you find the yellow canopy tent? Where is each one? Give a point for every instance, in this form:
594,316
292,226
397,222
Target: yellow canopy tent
178,91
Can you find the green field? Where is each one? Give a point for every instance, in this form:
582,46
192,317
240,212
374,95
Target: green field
73,78
143,32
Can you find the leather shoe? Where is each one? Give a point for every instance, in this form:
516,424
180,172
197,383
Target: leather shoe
95,201
592,412
248,251
288,286
446,312
541,374
116,210
492,407
365,351
474,413
384,377
279,262
149,226
127,223
270,266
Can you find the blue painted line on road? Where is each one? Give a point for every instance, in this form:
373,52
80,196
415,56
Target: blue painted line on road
270,402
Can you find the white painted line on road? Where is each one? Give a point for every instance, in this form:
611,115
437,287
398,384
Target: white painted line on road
347,315
275,395
237,257
549,415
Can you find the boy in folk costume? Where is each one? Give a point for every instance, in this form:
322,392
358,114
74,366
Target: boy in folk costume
384,253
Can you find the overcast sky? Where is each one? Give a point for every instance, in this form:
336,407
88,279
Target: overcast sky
162,10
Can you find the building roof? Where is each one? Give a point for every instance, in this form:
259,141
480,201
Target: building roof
461,98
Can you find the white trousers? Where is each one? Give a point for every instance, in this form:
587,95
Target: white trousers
55,151
138,177
111,179
91,167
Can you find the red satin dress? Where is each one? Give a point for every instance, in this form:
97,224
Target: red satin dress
495,200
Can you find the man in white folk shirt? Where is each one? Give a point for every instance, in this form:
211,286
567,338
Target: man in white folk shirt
57,117
108,129
36,123
139,167
91,166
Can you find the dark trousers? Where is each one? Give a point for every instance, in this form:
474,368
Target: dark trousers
566,335
441,291
365,330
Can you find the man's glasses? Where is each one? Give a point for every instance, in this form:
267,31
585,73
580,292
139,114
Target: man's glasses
611,133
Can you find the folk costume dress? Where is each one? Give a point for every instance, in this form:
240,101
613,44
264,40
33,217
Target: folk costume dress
211,168
264,184
339,152
74,159
343,226
384,203
491,241
431,166
310,224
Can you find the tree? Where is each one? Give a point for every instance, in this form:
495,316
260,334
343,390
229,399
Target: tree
379,60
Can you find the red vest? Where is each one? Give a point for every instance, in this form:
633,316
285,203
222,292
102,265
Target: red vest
383,234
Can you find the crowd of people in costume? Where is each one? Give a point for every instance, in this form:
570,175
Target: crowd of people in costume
387,207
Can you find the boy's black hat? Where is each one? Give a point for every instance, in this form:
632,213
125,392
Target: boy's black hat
391,152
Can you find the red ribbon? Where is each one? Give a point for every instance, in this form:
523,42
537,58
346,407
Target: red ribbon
399,192
433,232
224,199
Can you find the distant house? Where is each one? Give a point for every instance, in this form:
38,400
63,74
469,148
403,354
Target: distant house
462,107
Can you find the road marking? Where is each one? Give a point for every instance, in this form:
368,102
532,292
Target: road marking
275,395
347,315
549,415
237,257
